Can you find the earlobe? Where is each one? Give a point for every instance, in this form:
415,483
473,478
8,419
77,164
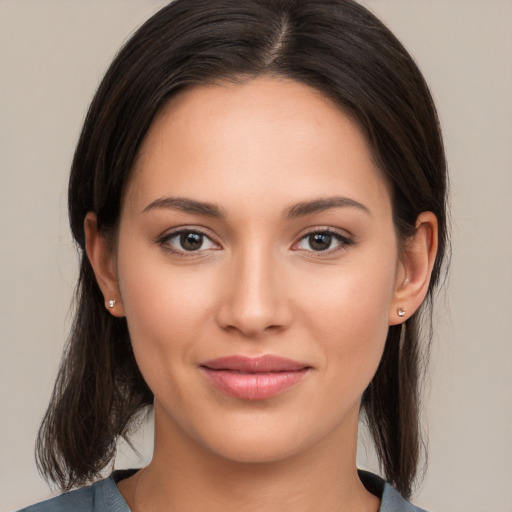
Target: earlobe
416,264
102,261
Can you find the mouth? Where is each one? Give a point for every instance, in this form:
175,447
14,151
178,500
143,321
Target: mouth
253,378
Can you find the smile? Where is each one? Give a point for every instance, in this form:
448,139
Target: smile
257,378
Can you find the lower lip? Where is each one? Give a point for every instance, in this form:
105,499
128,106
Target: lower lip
253,386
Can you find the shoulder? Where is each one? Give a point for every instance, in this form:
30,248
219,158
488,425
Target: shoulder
391,500
102,496
81,500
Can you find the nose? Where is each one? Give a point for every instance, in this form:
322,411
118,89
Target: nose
255,296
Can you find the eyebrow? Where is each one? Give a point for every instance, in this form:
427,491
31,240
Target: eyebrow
294,211
187,205
319,205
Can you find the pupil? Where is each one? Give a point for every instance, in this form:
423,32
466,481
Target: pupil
191,241
320,241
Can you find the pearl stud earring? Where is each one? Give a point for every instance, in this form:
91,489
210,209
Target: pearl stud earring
401,312
111,303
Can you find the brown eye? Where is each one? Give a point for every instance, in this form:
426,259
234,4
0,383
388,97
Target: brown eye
323,241
320,241
191,241
187,241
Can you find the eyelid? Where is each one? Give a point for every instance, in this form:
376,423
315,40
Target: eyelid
163,240
345,239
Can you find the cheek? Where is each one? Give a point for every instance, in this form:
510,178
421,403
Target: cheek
167,309
355,296
347,311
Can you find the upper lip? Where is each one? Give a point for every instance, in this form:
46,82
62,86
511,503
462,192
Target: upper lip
262,364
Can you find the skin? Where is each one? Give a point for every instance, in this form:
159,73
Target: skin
256,286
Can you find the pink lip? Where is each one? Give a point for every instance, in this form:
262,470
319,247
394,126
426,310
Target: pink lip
255,378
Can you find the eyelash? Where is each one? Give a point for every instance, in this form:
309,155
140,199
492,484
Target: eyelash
343,240
164,242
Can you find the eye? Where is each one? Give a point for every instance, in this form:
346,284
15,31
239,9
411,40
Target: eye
187,241
323,241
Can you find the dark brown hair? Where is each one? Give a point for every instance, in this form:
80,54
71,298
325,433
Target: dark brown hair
335,46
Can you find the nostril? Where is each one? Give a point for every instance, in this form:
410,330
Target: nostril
254,302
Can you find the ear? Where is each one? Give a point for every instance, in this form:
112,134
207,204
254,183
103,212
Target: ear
103,263
414,269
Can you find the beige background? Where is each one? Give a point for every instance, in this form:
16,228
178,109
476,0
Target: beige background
52,56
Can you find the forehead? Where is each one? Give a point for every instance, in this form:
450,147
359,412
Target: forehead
262,136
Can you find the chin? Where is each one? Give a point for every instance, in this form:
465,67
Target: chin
256,451
265,439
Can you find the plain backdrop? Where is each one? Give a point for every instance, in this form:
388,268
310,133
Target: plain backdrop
53,54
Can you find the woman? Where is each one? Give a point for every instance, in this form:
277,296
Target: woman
259,197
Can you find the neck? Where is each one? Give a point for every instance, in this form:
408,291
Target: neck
185,476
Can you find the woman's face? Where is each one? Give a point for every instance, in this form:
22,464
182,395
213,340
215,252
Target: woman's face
256,224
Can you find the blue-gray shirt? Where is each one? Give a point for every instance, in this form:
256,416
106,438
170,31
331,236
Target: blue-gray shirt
104,496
